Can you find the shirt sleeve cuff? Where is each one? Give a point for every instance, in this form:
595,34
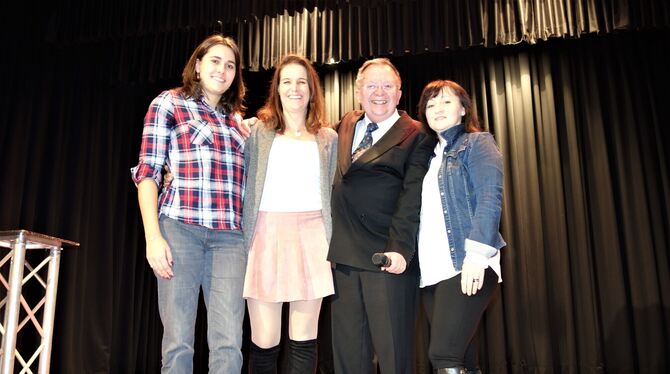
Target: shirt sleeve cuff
478,253
145,171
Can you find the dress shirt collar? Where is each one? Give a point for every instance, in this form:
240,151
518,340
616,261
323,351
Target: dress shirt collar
385,124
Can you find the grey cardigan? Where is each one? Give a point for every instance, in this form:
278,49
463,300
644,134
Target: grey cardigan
256,154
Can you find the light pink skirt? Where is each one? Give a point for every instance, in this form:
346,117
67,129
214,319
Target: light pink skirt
287,259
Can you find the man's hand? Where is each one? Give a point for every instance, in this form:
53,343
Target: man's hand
398,263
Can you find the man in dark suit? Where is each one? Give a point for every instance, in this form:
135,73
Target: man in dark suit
375,205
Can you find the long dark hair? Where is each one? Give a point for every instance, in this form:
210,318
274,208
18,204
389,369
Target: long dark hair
232,99
434,88
272,112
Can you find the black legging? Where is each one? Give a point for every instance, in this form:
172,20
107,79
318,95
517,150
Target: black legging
454,317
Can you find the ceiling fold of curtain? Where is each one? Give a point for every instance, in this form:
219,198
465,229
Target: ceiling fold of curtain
330,31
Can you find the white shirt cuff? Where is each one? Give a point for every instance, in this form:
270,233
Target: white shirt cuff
478,253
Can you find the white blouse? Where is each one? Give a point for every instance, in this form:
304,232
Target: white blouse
292,178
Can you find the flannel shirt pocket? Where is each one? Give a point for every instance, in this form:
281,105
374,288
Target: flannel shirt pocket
201,133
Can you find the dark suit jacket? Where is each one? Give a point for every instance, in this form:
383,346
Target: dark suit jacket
376,200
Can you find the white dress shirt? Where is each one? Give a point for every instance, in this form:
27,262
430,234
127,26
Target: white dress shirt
383,127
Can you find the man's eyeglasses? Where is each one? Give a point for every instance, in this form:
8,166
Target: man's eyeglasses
386,86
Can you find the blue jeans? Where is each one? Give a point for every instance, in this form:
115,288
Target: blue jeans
216,261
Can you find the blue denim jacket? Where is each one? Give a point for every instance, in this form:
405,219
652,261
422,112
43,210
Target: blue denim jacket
470,180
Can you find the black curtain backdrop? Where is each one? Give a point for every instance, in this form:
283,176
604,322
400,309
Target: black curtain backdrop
582,125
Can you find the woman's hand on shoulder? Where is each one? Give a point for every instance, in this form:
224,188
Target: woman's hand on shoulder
246,125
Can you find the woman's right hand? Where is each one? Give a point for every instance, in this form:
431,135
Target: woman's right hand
472,278
245,126
160,257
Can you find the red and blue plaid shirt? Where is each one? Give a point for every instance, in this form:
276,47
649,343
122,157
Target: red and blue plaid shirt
204,151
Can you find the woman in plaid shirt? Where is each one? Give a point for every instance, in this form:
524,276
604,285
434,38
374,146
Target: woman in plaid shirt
193,228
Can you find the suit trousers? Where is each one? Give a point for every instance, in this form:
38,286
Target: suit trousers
373,313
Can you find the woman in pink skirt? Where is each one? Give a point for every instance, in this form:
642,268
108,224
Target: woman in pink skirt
290,161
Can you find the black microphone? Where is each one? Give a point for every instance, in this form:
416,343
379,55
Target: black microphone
381,260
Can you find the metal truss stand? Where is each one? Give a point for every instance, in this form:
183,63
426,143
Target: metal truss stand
18,241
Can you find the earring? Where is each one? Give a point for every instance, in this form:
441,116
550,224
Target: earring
197,75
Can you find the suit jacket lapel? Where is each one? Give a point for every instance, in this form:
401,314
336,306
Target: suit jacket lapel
345,133
399,131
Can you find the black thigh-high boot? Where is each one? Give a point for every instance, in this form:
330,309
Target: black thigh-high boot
456,370
263,361
302,357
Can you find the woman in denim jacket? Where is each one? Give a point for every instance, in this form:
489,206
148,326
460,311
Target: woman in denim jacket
459,241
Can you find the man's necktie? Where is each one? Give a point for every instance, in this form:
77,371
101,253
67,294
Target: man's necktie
365,143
